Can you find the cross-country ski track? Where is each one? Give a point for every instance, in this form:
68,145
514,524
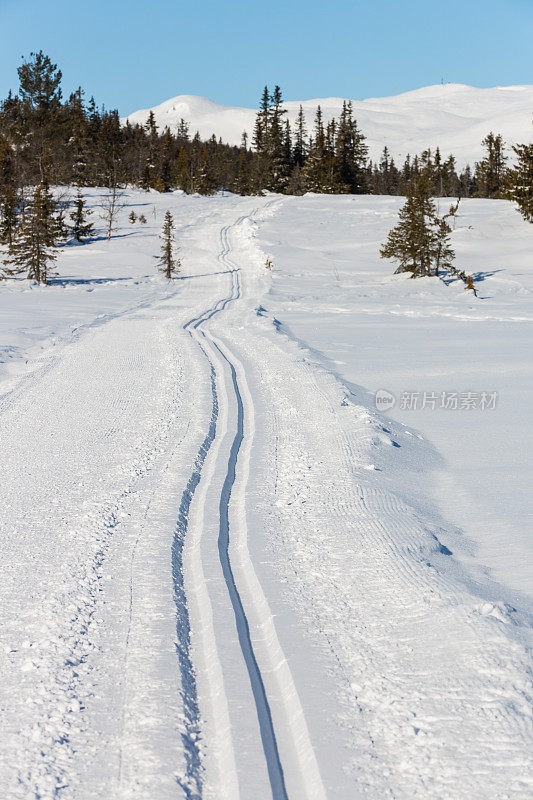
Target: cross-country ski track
222,580
296,766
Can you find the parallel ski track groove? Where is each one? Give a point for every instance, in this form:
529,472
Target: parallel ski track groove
183,627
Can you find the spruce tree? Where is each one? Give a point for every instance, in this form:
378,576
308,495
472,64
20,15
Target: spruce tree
168,262
183,132
9,214
40,82
33,251
278,145
316,172
79,142
520,181
490,171
300,150
351,152
420,241
204,182
9,204
81,229
242,181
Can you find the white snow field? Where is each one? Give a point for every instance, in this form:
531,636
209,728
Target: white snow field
226,574
452,116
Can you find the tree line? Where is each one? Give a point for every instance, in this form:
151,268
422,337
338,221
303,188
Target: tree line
45,141
75,142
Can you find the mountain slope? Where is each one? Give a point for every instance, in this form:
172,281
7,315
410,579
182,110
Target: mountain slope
453,116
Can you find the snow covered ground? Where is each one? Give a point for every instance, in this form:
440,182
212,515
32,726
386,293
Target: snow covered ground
452,116
422,339
226,574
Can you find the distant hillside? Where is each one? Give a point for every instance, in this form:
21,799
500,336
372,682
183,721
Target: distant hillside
454,116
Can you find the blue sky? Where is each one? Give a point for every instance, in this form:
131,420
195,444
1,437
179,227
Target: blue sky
136,54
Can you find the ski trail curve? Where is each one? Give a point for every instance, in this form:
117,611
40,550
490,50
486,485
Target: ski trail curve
286,741
290,760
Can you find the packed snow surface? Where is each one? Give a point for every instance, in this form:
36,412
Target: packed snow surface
452,116
227,574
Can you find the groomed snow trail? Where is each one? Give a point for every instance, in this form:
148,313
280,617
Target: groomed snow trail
214,585
278,712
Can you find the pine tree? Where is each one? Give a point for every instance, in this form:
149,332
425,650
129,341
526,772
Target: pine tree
386,177
132,217
262,123
301,148
351,152
181,170
9,214
242,182
520,181
183,132
81,228
316,172
169,264
78,142
33,251
420,241
9,205
490,171
40,81
204,182
150,165
278,145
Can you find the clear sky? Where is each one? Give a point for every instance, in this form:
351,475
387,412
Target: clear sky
136,53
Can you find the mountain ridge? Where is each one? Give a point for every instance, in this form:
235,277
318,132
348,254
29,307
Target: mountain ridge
455,117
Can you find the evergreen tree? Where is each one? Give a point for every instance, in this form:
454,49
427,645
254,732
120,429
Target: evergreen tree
316,172
386,177
490,171
350,152
183,132
150,166
9,205
81,229
242,183
9,214
520,181
168,262
278,145
182,170
78,142
467,183
300,140
272,144
33,251
40,82
204,182
132,217
420,241
262,123
164,180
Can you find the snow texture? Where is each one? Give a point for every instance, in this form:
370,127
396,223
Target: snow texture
207,528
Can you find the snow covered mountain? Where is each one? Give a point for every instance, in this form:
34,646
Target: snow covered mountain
453,116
